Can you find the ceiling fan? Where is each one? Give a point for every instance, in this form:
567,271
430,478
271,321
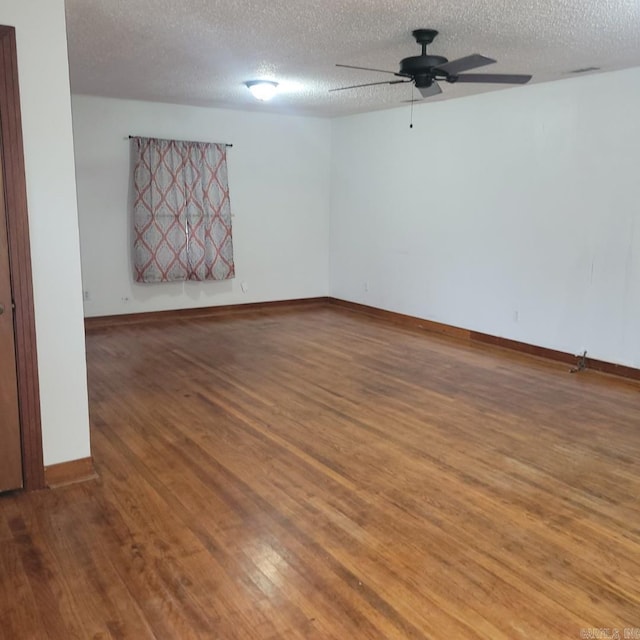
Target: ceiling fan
425,71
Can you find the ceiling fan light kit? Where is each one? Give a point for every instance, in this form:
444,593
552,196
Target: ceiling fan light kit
262,90
425,71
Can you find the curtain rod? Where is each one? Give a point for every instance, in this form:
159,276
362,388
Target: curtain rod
226,144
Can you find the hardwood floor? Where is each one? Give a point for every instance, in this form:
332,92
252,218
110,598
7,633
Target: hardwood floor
320,474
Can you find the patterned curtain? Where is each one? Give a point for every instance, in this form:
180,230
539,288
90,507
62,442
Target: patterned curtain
181,211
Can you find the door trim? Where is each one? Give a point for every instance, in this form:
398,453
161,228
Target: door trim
12,156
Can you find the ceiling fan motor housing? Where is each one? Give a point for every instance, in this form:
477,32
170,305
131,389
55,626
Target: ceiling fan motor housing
421,68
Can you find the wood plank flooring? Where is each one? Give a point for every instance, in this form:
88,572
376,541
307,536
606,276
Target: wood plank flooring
320,474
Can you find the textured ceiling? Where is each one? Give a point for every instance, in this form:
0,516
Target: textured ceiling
200,52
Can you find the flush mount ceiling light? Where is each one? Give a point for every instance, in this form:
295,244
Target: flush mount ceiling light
262,89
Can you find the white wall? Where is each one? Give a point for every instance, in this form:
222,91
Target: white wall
53,223
279,170
515,213
511,213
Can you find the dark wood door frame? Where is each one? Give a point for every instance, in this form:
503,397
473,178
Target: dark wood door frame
15,194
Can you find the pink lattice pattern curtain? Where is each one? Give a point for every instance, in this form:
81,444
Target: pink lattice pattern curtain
181,211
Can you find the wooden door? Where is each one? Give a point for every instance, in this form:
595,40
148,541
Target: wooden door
10,449
14,223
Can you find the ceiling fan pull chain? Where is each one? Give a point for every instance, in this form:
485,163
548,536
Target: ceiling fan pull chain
412,101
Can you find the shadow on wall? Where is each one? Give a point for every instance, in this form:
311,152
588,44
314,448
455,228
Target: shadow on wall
196,291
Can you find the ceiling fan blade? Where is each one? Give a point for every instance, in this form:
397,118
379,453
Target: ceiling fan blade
369,84
494,78
429,92
473,61
349,66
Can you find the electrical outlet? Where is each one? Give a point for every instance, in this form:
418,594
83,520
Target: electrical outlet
86,296
516,316
366,286
245,287
125,300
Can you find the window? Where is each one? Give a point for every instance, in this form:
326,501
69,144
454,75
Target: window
181,211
